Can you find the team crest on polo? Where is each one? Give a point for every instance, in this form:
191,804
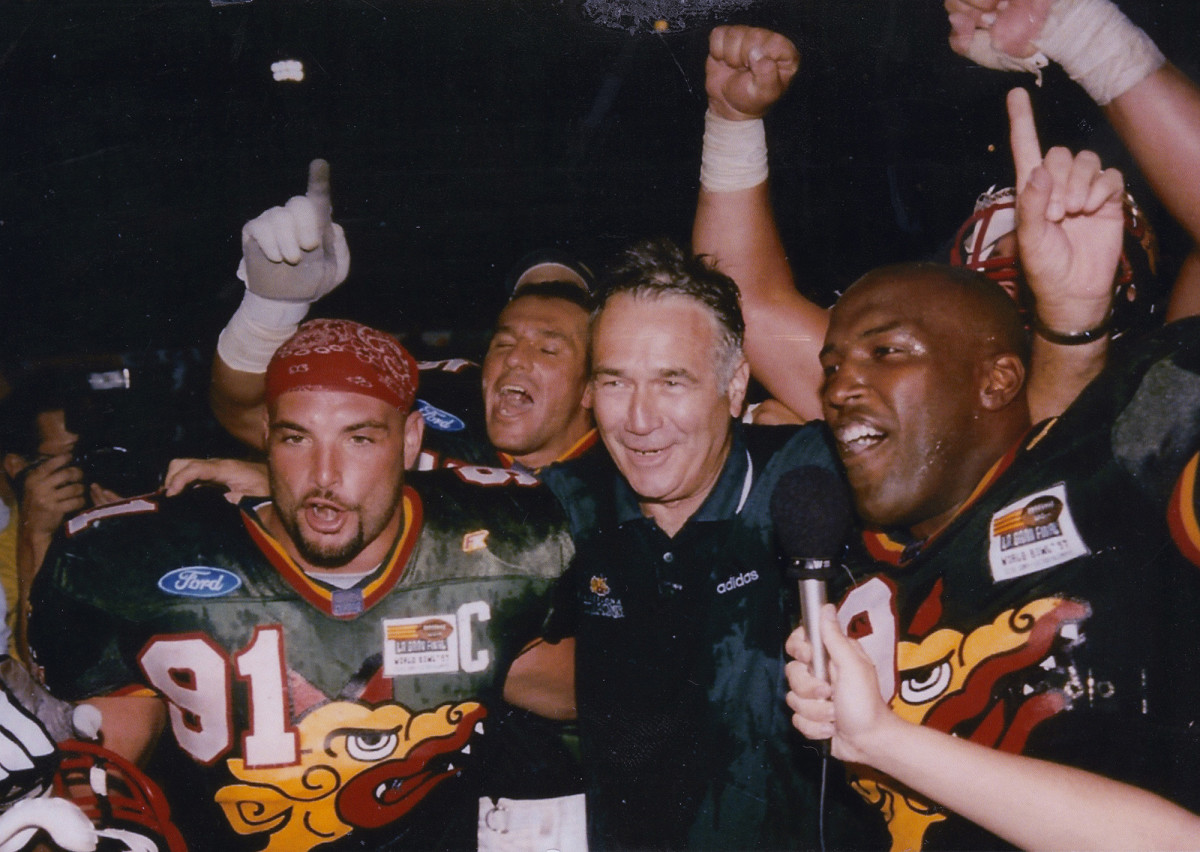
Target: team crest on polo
199,581
598,601
1034,533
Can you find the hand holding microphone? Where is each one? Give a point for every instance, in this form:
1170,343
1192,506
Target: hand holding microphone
834,691
811,512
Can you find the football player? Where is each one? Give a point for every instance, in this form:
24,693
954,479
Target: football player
1155,109
1023,600
329,659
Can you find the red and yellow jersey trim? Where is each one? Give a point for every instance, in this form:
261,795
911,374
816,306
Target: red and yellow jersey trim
320,596
884,548
132,690
574,451
1181,513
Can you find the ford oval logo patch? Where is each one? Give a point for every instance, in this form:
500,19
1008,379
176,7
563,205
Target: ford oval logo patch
198,581
435,418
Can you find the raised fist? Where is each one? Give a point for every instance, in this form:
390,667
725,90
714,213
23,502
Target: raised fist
748,69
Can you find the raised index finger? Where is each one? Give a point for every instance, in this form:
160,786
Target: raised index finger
1022,135
318,188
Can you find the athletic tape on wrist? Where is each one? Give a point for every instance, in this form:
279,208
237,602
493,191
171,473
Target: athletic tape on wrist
734,155
257,328
1100,48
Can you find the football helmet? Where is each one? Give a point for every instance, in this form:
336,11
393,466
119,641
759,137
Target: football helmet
1138,297
129,811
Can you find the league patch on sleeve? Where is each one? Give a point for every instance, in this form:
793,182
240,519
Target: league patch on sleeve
1032,534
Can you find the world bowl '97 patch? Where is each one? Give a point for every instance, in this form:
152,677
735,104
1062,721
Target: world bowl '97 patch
420,645
1032,534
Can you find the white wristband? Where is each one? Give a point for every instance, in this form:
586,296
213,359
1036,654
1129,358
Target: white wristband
257,328
1100,48
734,155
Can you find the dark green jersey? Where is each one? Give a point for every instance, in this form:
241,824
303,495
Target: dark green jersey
310,714
1055,615
451,401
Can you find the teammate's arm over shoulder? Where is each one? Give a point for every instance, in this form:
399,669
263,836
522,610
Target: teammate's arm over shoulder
130,724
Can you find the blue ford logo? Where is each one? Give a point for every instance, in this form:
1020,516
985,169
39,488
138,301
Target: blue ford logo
197,581
435,418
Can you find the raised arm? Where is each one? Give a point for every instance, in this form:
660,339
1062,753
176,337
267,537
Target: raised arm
291,256
1153,106
747,71
1070,224
1031,803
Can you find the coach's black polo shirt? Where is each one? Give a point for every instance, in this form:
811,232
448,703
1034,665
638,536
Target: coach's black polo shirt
679,676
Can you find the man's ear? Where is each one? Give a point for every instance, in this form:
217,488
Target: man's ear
266,428
414,433
738,385
1003,381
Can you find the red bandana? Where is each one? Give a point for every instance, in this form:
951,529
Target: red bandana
340,355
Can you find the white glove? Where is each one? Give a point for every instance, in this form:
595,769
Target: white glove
296,253
291,256
66,824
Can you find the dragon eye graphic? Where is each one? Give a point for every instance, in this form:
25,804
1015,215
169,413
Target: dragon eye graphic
925,683
368,746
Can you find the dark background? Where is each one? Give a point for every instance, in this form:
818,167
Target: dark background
138,136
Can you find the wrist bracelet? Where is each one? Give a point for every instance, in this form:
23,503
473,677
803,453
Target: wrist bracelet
1072,338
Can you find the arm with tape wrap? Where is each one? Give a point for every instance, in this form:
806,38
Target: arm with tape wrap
1152,105
291,256
748,69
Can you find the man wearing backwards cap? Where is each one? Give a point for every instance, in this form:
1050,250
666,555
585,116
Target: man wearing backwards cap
331,658
535,400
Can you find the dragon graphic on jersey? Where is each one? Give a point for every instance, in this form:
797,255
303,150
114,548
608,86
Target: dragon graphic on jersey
361,766
991,686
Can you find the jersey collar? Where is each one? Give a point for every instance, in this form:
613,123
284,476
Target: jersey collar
896,547
572,452
321,596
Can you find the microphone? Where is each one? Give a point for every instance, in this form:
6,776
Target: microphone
811,511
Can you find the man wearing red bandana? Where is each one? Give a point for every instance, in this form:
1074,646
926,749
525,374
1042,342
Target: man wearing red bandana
330,660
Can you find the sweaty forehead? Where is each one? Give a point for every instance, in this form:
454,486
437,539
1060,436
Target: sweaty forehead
920,302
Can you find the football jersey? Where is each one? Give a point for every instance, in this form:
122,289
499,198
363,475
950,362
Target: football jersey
311,714
450,398
1055,615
